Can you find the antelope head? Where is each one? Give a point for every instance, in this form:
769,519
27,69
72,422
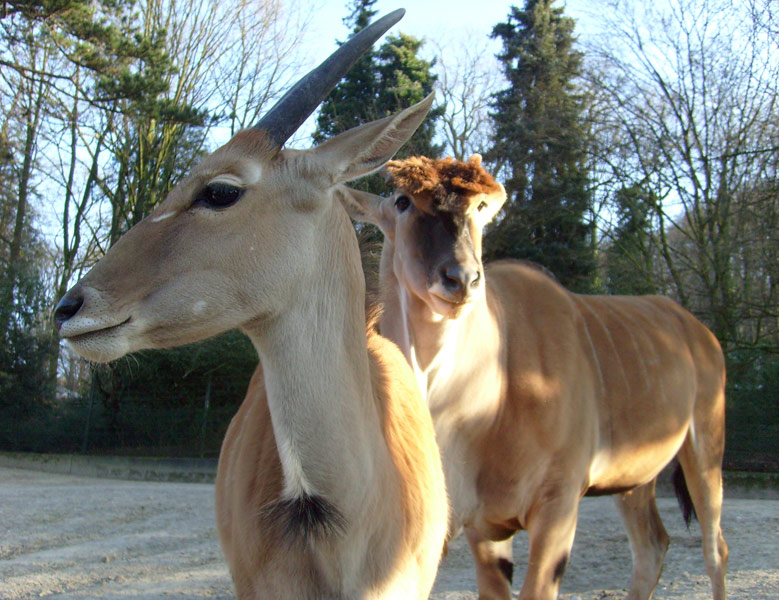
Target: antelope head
433,226
243,237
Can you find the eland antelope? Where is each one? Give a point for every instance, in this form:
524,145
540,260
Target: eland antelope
538,395
330,484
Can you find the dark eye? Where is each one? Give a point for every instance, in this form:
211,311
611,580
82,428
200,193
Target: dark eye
482,206
218,195
402,203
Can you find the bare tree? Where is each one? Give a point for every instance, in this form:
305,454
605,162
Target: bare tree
468,75
225,53
692,117
90,155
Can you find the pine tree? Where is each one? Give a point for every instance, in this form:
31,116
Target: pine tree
540,143
381,83
98,35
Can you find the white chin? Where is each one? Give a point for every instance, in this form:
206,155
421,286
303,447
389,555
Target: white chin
448,310
99,347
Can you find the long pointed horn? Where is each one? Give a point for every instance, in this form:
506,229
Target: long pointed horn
303,98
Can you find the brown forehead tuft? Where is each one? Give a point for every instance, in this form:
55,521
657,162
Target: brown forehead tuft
442,183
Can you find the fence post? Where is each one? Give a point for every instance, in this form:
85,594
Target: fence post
206,405
92,389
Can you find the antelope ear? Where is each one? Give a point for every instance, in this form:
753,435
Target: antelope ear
367,208
496,201
367,148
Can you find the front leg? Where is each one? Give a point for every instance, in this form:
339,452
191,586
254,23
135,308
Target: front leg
494,565
648,538
551,526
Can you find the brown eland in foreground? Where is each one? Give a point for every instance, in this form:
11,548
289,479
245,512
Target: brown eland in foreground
330,484
540,396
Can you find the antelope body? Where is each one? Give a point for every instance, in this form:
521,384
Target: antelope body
330,483
538,395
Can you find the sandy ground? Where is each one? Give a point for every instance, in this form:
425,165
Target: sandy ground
69,537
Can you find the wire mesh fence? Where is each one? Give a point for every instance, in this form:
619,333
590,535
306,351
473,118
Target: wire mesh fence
167,427
139,427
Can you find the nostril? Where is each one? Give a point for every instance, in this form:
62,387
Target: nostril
476,279
451,278
66,308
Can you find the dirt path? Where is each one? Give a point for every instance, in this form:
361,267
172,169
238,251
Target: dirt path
71,538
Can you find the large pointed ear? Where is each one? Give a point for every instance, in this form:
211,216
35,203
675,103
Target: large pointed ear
366,148
367,208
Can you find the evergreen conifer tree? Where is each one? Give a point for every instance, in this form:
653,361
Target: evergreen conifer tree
631,254
540,144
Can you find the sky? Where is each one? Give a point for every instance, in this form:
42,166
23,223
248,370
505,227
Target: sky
438,22
434,19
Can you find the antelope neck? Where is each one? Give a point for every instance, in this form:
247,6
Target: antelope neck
319,390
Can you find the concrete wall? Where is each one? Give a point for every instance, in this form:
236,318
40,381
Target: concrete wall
203,470
194,470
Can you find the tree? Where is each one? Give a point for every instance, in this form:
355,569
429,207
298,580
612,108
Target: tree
90,34
631,254
106,104
153,144
693,116
24,337
382,82
466,83
60,58
540,144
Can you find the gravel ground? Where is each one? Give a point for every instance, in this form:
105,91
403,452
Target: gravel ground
71,538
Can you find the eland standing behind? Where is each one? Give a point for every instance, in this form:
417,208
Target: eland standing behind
540,396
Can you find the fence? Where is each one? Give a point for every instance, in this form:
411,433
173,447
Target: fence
151,427
138,427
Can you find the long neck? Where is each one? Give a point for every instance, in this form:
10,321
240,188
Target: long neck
318,383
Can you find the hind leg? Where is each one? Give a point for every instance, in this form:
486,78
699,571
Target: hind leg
703,476
494,565
648,539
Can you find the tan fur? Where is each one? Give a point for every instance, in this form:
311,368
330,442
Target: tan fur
250,477
332,413
539,395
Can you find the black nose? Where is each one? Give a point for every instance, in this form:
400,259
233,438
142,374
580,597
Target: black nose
458,279
66,308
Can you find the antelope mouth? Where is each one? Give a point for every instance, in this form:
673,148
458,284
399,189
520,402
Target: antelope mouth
91,334
454,301
98,342
451,308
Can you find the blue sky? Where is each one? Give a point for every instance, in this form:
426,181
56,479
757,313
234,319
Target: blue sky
438,20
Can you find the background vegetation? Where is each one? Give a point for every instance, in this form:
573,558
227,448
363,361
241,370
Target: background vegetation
642,161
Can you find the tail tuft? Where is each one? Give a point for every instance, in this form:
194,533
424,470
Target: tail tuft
683,495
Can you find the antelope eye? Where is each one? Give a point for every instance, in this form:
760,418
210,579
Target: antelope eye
482,206
218,195
402,203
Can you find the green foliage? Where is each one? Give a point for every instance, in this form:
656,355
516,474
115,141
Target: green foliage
180,376
135,392
149,403
25,341
382,82
540,143
631,253
99,35
752,412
